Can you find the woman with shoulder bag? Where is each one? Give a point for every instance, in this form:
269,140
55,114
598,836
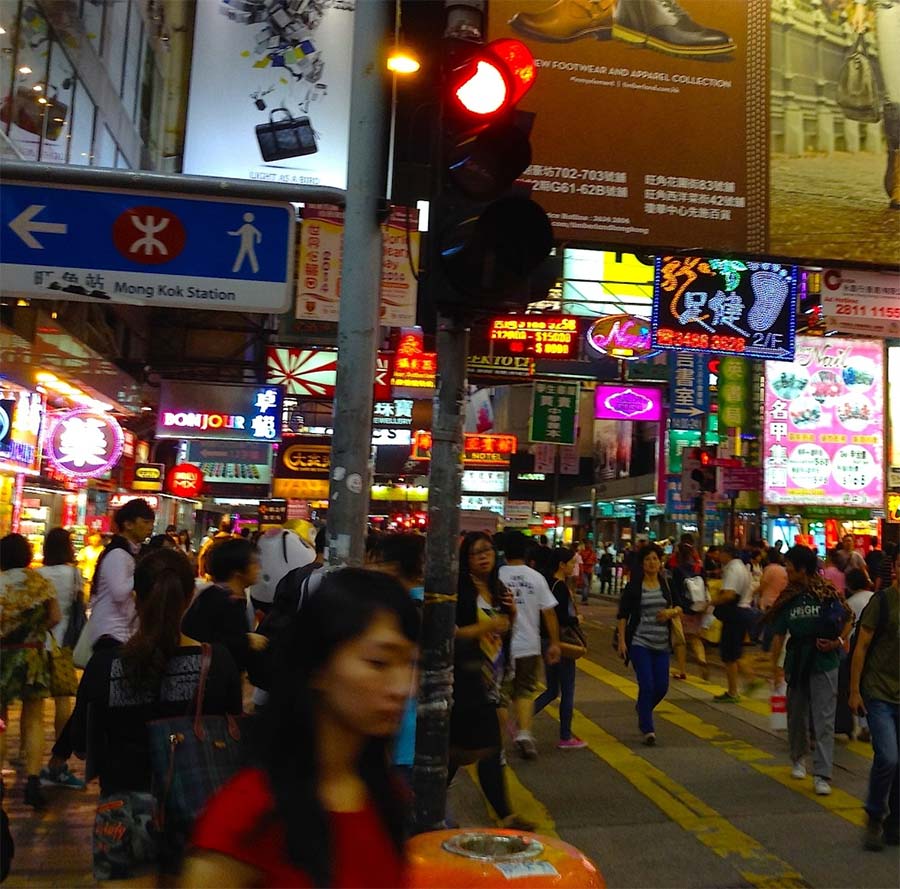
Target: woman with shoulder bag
28,609
59,568
485,611
646,612
155,675
561,675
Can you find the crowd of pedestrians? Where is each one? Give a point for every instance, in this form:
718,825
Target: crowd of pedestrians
327,659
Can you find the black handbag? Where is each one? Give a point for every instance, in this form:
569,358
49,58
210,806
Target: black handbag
77,616
857,86
286,137
192,757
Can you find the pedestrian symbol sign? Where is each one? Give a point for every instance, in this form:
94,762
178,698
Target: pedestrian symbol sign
139,248
554,412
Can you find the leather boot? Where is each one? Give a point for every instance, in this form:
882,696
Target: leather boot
664,26
567,20
894,181
892,136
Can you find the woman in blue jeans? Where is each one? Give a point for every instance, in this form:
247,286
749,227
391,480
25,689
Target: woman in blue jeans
561,675
644,621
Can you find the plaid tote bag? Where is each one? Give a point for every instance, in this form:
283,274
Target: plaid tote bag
192,756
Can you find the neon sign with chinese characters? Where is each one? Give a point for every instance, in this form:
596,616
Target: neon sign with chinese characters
628,403
84,443
725,305
223,412
538,335
414,368
478,450
823,432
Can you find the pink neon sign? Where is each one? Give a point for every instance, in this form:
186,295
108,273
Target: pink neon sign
628,403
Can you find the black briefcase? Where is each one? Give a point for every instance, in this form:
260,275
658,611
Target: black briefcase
286,137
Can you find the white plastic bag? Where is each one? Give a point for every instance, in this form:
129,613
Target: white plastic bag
778,708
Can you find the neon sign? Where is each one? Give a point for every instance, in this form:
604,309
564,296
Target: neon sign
725,305
621,336
539,335
628,403
84,443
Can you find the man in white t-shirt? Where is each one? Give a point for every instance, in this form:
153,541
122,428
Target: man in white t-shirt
737,594
533,599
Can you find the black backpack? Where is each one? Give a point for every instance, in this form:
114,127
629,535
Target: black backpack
290,594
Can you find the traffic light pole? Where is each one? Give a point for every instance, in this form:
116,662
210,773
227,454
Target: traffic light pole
463,19
441,575
358,322
701,514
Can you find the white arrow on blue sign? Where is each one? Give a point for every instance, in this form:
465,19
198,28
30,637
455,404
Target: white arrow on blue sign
689,389
140,248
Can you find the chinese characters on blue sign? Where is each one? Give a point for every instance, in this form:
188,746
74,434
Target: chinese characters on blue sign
689,388
725,305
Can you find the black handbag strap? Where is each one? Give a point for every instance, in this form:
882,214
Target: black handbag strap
280,108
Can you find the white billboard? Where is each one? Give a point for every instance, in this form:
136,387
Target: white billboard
270,91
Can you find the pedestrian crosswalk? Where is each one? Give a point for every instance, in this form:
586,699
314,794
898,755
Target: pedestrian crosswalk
688,722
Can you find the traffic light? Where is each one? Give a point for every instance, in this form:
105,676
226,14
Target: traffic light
705,474
490,237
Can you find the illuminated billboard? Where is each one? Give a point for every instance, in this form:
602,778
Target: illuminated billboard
824,425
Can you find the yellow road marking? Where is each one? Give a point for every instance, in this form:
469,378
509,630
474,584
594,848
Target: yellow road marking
752,861
522,801
840,803
761,708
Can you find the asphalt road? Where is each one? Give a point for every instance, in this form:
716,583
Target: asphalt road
713,805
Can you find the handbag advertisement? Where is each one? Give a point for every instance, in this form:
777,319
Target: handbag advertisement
284,78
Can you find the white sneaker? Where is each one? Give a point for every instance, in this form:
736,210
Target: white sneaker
823,787
798,771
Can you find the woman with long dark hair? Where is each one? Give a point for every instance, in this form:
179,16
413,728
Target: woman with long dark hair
154,675
318,806
485,610
646,611
561,675
59,568
811,660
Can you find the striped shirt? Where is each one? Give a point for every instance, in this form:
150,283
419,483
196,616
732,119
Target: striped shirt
651,634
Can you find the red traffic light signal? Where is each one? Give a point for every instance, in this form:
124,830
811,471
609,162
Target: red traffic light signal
705,458
493,79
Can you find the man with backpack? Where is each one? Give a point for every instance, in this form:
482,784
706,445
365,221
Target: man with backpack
875,694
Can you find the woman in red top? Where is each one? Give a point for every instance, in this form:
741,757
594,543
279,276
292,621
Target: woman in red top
318,808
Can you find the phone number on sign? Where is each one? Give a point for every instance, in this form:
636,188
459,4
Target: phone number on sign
867,311
667,337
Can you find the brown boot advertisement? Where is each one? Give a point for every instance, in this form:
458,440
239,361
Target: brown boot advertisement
651,122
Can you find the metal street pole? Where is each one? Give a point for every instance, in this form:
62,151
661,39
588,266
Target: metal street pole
441,574
464,19
358,322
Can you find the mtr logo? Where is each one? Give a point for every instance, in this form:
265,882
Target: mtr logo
149,235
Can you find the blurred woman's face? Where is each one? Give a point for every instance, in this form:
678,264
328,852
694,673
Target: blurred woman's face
651,563
367,681
569,566
482,557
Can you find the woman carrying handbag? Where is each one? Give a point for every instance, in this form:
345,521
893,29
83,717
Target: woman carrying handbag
59,568
157,674
646,612
561,675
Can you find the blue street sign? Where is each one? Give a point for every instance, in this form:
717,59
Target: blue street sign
60,242
689,388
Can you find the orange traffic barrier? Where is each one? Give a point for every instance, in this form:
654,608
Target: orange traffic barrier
468,859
